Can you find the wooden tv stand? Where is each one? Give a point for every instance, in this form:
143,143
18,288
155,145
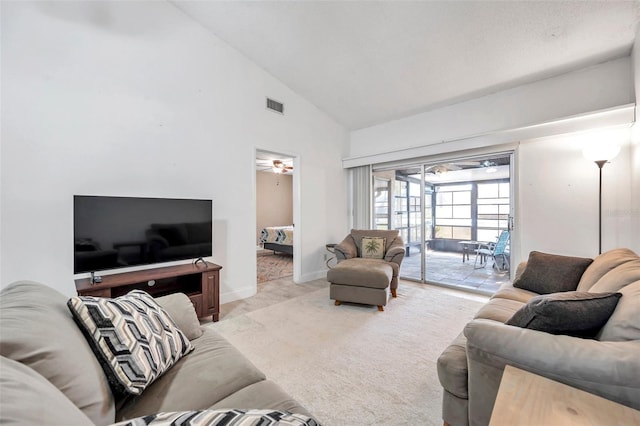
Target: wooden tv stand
200,282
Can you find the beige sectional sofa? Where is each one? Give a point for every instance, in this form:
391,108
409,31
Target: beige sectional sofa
608,364
49,374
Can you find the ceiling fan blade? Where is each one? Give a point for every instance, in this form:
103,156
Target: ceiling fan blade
437,169
452,167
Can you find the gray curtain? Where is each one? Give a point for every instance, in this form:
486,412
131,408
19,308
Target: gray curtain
360,178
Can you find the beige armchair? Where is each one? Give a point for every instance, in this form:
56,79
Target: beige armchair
361,279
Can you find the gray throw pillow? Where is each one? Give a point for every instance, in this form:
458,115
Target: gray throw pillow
551,273
574,313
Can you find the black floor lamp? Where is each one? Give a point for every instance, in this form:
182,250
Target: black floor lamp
600,154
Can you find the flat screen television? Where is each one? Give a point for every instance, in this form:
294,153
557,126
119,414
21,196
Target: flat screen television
117,232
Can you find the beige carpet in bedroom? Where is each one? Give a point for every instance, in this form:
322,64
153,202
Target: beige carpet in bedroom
272,266
350,364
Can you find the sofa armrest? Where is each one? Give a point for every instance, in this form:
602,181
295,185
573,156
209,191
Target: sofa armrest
519,270
181,310
395,254
397,242
607,369
346,249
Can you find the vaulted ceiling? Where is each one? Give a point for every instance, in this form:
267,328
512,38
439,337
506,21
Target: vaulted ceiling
368,62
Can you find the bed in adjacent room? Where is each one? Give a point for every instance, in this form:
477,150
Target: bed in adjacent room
278,239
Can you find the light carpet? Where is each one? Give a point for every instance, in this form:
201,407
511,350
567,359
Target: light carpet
350,364
272,266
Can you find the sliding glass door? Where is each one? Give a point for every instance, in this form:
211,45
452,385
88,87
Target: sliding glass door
408,218
444,212
381,203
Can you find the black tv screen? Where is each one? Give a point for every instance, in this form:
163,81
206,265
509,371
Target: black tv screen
117,232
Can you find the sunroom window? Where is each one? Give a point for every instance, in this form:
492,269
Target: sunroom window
453,211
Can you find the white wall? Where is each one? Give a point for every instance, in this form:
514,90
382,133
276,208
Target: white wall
556,188
134,98
557,209
598,87
635,151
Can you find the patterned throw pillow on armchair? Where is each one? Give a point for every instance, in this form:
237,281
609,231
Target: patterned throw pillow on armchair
373,247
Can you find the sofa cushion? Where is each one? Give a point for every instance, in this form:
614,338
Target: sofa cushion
134,338
508,291
603,264
372,273
213,371
223,417
30,399
618,277
498,309
452,367
262,395
182,312
573,313
37,329
551,273
624,323
373,247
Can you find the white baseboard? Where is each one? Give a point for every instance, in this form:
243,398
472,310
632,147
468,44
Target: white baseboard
232,296
318,275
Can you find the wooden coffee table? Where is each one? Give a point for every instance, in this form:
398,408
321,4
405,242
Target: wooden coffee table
528,399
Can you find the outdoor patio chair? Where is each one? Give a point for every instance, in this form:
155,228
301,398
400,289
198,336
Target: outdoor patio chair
493,251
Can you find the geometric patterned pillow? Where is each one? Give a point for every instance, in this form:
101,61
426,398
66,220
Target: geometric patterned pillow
222,417
132,336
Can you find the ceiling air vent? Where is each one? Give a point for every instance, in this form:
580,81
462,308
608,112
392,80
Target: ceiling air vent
275,106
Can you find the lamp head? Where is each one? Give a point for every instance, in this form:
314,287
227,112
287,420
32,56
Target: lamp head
601,152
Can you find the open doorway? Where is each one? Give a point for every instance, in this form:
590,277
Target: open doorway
451,214
274,216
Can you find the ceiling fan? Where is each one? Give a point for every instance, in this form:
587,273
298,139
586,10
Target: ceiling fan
281,167
449,167
275,166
